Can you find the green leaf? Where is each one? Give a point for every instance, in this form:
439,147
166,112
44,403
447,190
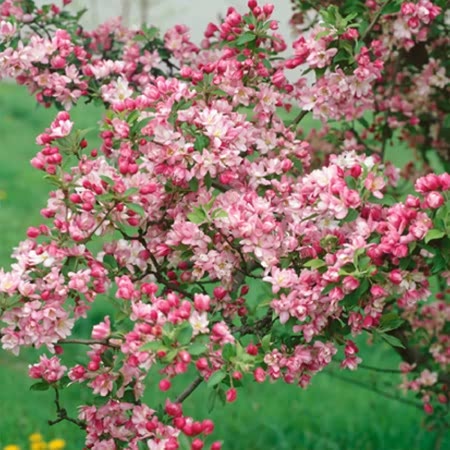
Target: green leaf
364,122
70,265
351,216
154,346
110,261
185,335
390,321
391,7
107,180
197,216
245,38
128,396
216,378
392,340
219,213
201,142
265,342
40,386
197,348
228,351
193,184
328,288
433,234
137,209
212,399
130,191
315,263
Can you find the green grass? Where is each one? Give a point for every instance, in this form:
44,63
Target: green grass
330,414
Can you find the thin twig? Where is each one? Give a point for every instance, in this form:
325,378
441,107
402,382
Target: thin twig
374,389
374,369
189,390
62,413
374,20
299,118
105,217
386,114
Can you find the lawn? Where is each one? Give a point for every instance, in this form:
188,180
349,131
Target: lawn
331,414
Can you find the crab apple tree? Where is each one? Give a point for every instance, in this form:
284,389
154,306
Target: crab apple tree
234,246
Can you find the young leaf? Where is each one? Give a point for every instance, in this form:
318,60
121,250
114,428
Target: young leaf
433,234
392,340
216,378
185,335
245,38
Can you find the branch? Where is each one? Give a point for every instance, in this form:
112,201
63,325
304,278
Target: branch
374,20
374,369
62,414
105,217
299,118
413,355
385,131
255,328
374,389
88,342
189,390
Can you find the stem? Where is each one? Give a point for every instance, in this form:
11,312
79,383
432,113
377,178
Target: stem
374,20
189,390
386,114
62,413
100,223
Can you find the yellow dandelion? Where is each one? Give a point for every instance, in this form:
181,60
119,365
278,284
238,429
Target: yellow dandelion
57,444
35,437
39,445
3,194
11,447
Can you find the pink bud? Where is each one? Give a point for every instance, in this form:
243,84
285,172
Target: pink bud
33,232
201,302
252,349
208,426
197,444
395,276
268,9
219,292
434,199
231,395
259,375
165,385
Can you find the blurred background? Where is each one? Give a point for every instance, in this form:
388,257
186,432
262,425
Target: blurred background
165,13
334,413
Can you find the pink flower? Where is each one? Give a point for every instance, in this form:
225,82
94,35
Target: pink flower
102,330
49,369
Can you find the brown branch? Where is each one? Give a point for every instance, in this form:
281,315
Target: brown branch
189,390
413,355
299,118
255,328
88,342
